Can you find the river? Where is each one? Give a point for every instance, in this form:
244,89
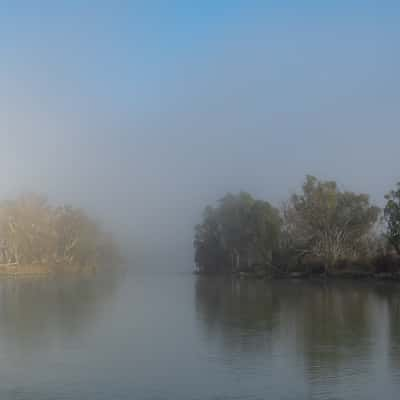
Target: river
183,337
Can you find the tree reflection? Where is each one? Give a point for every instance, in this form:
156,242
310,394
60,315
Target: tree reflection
390,296
331,326
242,313
322,327
34,310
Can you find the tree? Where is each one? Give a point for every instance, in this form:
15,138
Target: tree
33,232
392,217
233,219
327,223
265,225
210,255
239,233
26,229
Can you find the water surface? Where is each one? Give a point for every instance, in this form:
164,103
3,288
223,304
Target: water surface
184,337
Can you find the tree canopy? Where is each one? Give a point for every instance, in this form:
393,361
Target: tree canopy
321,223
328,223
239,233
392,217
33,232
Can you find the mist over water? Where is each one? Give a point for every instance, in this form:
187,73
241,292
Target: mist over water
118,338
143,117
142,114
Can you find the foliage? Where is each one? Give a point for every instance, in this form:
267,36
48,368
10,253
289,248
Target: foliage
31,232
392,217
240,233
328,224
320,227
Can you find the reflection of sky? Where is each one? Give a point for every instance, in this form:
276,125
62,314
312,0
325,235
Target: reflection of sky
167,337
144,114
327,341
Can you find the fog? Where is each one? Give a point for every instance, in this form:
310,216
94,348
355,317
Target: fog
143,116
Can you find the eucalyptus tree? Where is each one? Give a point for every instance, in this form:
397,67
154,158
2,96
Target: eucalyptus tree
327,223
33,232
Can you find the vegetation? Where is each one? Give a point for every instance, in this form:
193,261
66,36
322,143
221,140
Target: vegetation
328,224
33,232
320,229
392,216
238,234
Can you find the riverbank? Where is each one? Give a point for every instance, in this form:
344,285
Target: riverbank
334,275
41,269
346,275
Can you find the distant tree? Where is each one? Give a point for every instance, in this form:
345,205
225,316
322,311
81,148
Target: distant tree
77,236
26,229
327,223
33,232
238,234
210,255
265,225
392,217
234,222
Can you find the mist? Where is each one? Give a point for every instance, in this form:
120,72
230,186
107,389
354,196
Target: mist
143,117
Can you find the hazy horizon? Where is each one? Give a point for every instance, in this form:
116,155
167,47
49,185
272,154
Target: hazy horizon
144,114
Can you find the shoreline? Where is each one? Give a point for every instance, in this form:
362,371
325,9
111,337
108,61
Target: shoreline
41,269
345,275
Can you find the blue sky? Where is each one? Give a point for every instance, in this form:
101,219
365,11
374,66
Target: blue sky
145,111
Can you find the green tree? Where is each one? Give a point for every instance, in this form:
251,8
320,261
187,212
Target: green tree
392,217
209,252
240,233
327,223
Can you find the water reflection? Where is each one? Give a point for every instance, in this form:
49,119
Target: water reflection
242,313
35,310
330,331
390,296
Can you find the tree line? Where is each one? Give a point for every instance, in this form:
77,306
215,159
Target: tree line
34,232
322,227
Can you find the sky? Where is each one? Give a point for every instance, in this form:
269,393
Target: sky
143,112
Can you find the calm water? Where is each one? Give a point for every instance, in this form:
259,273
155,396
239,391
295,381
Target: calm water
182,337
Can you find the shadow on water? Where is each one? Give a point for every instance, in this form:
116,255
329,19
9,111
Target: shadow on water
33,310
